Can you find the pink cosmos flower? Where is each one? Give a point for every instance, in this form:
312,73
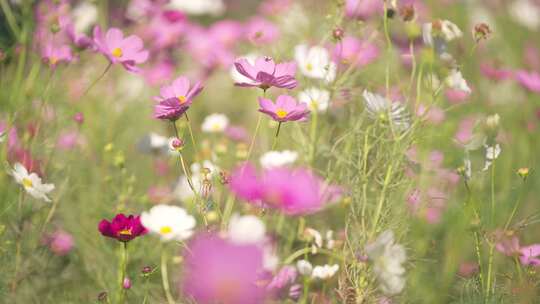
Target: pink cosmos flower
491,71
285,109
455,96
236,133
355,52
261,31
219,271
176,98
228,32
266,73
60,242
529,80
53,55
362,9
292,191
159,73
507,243
207,49
529,255
122,228
127,51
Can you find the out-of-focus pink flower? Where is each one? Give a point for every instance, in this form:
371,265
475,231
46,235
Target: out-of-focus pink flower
159,73
159,194
529,255
468,269
529,80
293,191
434,115
207,49
465,130
491,71
355,52
60,242
228,32
54,55
265,73
164,30
69,139
363,9
217,270
285,109
126,284
161,167
79,118
175,99
455,96
531,56
128,51
80,40
506,243
283,279
261,31
122,228
274,7
236,133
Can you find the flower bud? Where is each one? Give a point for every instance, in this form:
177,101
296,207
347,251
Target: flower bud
177,143
78,118
338,33
481,31
126,284
407,12
523,173
147,270
102,297
492,122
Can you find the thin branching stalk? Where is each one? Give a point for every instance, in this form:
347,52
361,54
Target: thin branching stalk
165,276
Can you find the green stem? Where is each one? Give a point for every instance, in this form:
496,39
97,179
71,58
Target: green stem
514,210
97,80
122,277
165,276
10,18
276,137
229,205
190,135
250,150
313,136
382,199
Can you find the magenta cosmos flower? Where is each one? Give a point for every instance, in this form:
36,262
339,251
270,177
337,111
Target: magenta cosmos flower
292,191
127,51
218,271
266,73
529,80
122,228
285,109
175,99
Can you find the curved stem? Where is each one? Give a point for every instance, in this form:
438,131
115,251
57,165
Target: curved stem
259,119
165,276
276,137
97,80
190,135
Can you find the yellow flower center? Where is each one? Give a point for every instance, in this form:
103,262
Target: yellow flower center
117,52
165,230
53,60
125,232
314,104
281,113
181,99
309,67
27,183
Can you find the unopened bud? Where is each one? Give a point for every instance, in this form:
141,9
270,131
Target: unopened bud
523,173
147,270
492,121
79,118
407,12
177,144
338,33
126,284
481,31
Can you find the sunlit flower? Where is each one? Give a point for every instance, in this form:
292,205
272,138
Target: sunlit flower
304,267
175,99
128,51
169,222
314,62
529,80
265,73
379,107
199,7
31,183
316,99
246,229
215,123
456,81
217,270
388,258
286,108
122,228
273,159
324,272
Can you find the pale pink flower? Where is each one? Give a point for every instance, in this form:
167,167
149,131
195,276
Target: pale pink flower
128,51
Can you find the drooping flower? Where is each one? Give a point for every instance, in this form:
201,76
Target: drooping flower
317,99
265,73
175,99
54,55
169,222
388,258
31,183
247,229
122,228
529,80
272,159
217,270
128,51
215,123
314,62
286,108
379,107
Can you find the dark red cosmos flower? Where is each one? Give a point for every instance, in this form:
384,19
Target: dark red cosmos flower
122,228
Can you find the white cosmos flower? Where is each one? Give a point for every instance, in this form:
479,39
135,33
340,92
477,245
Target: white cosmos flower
169,222
315,62
31,182
317,99
153,143
304,267
379,107
246,229
239,78
272,159
492,153
198,7
84,15
526,13
215,123
456,81
324,272
387,258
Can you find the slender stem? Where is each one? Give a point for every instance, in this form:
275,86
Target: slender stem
165,276
190,135
514,210
382,199
97,80
313,135
229,205
276,137
10,18
250,150
388,48
122,277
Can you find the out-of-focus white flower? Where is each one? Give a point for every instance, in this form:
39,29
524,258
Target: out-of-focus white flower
456,81
492,121
183,191
272,159
387,258
381,108
324,272
31,183
270,258
169,222
492,153
330,239
198,7
84,16
215,123
450,31
317,99
246,229
304,267
239,78
314,62
153,143
526,13
315,237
